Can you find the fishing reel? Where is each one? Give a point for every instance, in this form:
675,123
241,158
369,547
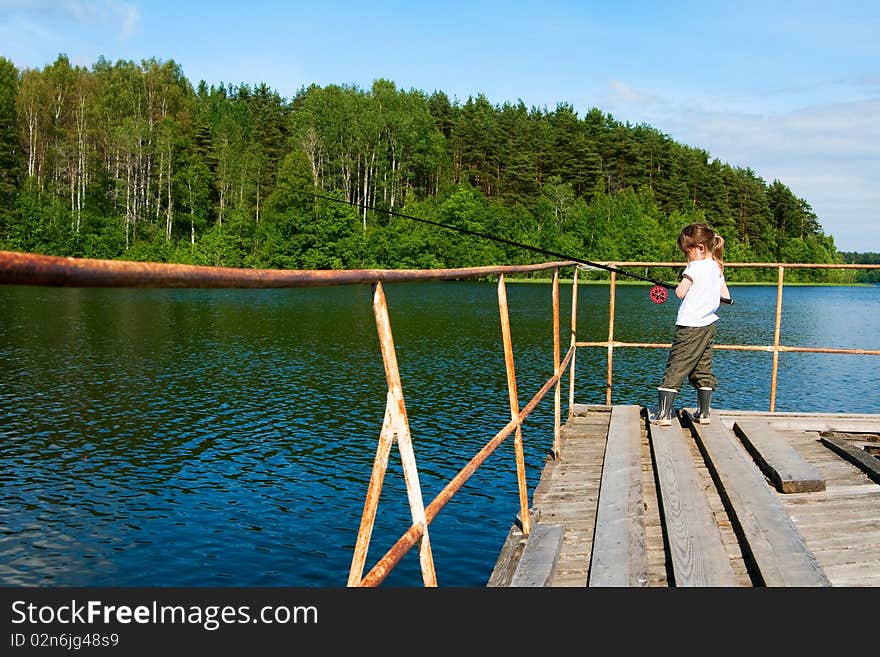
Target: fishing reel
658,294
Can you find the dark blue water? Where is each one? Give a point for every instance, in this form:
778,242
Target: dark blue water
226,437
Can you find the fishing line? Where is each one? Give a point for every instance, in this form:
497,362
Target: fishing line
657,294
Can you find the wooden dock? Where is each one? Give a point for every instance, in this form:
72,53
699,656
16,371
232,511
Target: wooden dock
750,499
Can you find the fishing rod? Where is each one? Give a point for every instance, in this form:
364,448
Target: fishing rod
657,294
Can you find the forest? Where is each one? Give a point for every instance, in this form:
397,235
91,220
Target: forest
131,161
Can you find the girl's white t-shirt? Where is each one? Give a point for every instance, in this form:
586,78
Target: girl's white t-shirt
704,295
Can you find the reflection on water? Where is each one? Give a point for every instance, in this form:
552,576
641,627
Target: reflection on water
226,437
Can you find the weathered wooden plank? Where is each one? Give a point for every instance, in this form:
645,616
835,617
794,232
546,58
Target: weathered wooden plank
508,558
776,547
865,555
781,462
870,465
857,574
540,557
619,557
568,492
571,579
587,409
511,551
836,519
842,501
866,538
847,422
699,558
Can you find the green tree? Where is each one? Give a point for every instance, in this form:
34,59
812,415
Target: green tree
193,188
127,159
10,154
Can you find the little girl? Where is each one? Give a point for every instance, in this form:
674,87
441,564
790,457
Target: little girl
701,289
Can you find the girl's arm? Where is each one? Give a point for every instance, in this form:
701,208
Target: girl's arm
683,287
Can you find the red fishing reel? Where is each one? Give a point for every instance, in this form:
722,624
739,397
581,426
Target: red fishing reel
658,294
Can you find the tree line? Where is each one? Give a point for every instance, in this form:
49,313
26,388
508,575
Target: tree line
130,160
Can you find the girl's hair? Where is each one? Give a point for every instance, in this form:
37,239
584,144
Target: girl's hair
700,234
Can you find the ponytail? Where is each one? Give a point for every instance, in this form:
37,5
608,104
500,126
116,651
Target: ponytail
718,250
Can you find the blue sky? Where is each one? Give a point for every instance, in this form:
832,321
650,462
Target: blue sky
789,89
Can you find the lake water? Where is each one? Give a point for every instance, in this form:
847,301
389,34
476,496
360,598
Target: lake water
226,437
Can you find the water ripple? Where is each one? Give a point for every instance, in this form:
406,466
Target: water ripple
196,437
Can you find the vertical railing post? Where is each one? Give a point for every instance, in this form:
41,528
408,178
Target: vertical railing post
612,293
514,406
395,426
574,302
374,489
776,332
557,402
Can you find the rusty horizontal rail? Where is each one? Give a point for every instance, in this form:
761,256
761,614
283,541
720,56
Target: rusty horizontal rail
55,271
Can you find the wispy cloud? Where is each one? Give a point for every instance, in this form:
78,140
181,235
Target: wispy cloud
121,16
826,153
128,14
624,93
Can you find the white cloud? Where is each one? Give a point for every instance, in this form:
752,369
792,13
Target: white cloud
623,93
23,29
118,15
129,16
826,153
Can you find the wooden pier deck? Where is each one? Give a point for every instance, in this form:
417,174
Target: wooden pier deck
751,499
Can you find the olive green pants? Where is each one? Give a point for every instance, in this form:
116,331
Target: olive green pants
691,357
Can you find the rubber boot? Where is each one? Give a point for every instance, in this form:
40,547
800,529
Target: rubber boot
704,397
665,407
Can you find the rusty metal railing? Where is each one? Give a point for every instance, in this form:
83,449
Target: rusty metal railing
396,426
31,269
775,349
